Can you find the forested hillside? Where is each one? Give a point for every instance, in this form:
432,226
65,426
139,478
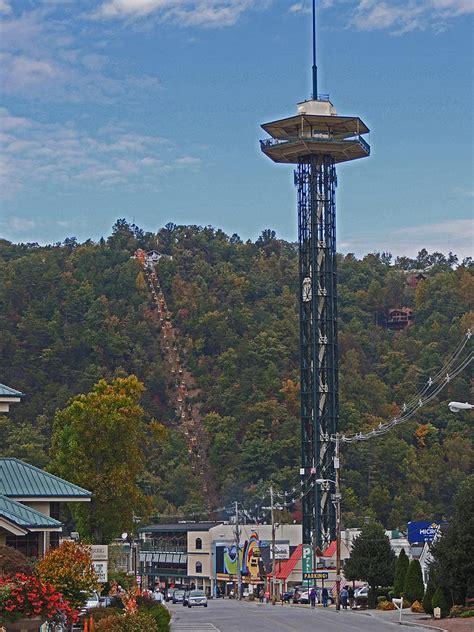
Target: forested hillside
74,313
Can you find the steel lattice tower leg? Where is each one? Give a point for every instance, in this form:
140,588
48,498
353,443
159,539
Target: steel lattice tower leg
315,179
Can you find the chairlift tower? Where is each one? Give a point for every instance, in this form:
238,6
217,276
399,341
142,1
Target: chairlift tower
315,140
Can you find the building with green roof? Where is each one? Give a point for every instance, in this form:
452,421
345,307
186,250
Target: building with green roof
29,506
8,396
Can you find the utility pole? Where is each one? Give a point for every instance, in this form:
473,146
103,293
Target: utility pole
237,546
337,499
272,595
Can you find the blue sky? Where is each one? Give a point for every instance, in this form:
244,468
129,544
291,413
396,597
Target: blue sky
150,110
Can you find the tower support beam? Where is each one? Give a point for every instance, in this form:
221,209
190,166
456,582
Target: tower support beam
315,179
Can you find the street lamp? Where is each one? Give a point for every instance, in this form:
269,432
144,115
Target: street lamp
337,502
455,407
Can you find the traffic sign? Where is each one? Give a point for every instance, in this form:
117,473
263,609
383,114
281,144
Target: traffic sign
315,575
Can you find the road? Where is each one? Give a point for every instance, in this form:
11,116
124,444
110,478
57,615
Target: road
232,616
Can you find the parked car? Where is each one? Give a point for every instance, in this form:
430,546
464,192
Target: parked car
197,598
92,601
361,592
178,596
288,595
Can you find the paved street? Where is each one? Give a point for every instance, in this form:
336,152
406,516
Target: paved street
232,616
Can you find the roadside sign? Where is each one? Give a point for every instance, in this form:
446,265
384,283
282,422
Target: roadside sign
315,575
101,570
307,559
99,552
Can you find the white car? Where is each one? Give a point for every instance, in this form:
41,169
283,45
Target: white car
362,592
197,598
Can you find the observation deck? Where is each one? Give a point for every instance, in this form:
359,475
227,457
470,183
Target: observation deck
315,130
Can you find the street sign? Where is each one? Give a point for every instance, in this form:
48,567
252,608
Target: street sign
315,575
101,571
307,559
99,552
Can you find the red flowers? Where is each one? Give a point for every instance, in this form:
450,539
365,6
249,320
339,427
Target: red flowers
23,596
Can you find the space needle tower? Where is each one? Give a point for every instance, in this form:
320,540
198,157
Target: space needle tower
315,140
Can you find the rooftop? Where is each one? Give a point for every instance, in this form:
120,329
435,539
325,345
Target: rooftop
25,517
21,480
179,526
6,391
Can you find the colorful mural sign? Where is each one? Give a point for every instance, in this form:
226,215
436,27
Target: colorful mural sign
253,557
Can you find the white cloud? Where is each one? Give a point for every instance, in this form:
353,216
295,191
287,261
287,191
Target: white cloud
41,58
455,235
18,224
5,7
184,12
401,16
34,154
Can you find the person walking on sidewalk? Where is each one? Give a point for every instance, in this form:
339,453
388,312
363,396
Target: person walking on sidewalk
325,597
344,596
351,597
312,597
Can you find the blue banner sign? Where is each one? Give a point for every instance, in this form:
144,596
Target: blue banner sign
423,530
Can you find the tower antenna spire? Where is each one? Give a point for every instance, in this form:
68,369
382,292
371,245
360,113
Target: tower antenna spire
315,68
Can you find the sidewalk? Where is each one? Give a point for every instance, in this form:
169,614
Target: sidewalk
421,621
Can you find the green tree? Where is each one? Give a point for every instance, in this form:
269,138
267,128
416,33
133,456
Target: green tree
400,573
428,597
414,589
97,444
439,601
451,569
372,558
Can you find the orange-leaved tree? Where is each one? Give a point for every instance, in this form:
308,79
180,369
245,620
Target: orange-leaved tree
69,568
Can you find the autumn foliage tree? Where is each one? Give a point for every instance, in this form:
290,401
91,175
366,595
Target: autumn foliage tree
70,570
97,444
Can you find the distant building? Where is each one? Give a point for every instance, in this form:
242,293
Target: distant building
203,555
414,278
8,396
400,318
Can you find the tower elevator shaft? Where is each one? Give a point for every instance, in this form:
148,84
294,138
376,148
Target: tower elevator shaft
315,179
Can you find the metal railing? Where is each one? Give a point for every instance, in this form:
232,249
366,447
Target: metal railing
271,142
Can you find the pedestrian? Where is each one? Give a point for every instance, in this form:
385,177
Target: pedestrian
325,597
344,596
351,597
312,597
296,596
158,595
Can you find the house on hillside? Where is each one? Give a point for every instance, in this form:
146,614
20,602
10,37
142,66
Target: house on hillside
400,318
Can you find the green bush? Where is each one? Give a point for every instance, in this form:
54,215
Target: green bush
426,602
162,617
401,569
414,588
100,613
439,601
467,614
128,622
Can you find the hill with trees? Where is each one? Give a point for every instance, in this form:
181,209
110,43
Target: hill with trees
73,314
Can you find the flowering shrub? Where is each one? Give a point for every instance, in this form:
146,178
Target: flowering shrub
25,596
128,622
69,567
386,605
417,607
